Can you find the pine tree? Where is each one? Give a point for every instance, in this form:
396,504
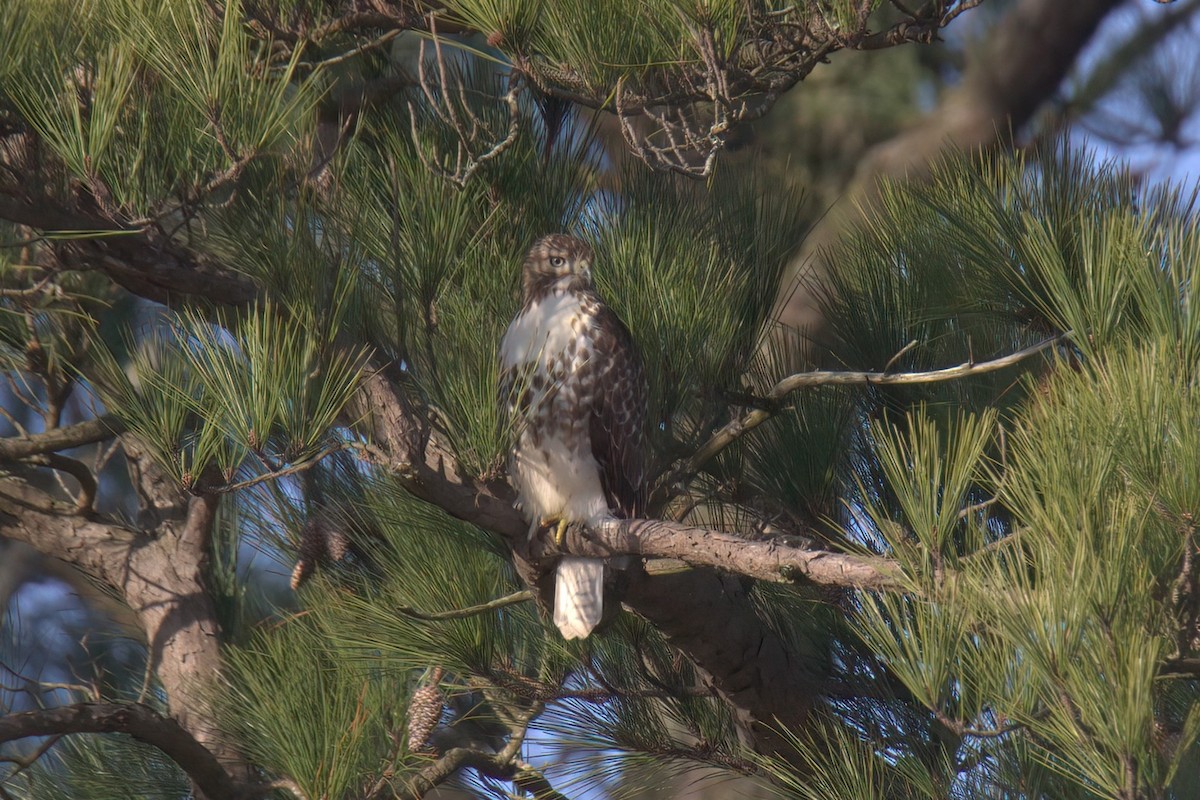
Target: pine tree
256,262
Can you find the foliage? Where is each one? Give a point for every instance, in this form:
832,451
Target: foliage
249,217
1047,652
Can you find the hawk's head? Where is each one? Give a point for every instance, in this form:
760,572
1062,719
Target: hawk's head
557,261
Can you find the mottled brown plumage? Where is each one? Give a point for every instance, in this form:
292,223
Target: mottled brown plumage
573,386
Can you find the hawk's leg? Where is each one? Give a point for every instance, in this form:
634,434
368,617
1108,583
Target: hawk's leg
560,528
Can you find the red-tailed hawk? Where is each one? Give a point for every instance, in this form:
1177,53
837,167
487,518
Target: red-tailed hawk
573,387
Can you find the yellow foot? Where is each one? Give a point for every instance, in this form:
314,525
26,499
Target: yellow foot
560,526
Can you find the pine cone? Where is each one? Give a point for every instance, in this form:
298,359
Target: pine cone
425,711
300,572
337,544
318,541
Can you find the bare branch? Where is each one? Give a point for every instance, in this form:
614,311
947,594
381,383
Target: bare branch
513,599
690,104
440,100
294,468
25,762
705,613
159,574
533,781
504,765
1017,68
77,470
770,406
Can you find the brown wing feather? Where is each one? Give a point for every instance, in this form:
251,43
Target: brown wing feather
618,422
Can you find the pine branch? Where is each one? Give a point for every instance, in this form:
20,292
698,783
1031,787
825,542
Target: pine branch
771,404
687,607
23,763
142,723
145,261
282,472
505,765
442,770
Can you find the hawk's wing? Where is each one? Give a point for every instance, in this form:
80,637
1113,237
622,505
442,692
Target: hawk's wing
618,423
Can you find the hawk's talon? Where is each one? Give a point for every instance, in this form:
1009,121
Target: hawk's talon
560,533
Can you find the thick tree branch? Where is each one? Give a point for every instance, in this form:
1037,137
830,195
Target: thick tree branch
702,547
77,435
142,723
98,548
707,615
490,506
441,770
142,259
1021,64
159,572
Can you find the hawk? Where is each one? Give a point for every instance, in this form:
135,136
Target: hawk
574,391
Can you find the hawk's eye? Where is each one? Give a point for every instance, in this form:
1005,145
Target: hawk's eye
557,261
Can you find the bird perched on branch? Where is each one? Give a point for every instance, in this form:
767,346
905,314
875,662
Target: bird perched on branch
574,390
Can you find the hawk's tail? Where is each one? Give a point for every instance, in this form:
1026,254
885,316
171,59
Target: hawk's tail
578,596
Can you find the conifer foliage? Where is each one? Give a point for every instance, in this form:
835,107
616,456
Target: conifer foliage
255,262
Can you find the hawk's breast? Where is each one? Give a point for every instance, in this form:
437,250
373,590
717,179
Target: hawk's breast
545,330
549,385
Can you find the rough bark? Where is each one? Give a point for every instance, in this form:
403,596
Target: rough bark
164,585
144,260
158,571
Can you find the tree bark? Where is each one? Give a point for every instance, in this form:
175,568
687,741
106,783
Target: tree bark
159,572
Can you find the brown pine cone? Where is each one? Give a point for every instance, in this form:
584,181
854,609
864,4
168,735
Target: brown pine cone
425,711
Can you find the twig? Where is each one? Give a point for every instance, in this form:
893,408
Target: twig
77,470
531,780
888,366
357,51
441,104
281,472
34,291
460,613
16,423
503,765
528,688
25,762
962,729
